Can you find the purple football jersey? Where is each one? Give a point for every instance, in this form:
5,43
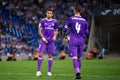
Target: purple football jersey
48,27
78,29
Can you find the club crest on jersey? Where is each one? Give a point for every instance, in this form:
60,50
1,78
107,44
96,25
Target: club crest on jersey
52,24
45,24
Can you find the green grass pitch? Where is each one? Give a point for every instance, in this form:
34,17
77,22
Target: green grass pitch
62,70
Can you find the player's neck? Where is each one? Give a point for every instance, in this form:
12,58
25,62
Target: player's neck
48,18
77,14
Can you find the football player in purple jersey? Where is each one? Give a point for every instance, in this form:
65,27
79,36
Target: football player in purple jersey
78,27
48,30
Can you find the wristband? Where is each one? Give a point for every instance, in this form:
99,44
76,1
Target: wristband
43,39
68,37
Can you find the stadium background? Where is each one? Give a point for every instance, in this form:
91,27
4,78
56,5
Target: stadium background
19,21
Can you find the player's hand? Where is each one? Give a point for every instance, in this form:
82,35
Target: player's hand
68,38
65,40
54,38
44,40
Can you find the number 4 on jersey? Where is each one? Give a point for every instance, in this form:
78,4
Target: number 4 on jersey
78,27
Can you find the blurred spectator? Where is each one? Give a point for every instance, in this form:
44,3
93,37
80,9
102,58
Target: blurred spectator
62,55
95,52
0,58
19,47
92,54
101,54
89,55
35,55
9,56
0,52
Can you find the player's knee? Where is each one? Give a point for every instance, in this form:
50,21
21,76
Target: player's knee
49,55
74,57
41,54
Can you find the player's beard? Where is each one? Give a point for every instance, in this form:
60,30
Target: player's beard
49,18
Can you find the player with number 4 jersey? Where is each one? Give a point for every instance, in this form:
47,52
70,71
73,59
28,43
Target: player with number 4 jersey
78,31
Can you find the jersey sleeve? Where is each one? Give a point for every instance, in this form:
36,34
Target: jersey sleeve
86,29
56,26
67,24
40,25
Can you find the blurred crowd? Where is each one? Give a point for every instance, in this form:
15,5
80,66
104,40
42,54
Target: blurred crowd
23,9
15,46
31,11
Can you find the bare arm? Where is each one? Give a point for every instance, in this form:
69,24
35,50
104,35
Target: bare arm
55,35
64,37
42,36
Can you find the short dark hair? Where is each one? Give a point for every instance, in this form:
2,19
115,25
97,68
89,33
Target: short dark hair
78,7
50,9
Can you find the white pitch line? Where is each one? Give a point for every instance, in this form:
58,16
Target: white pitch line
10,74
